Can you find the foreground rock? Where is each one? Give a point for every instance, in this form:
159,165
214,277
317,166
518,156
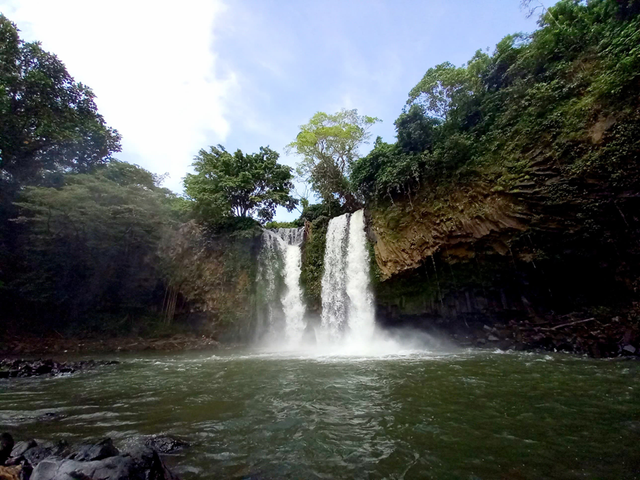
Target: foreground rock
19,368
99,461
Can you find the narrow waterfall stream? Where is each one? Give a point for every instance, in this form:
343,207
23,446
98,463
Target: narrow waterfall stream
281,309
361,306
291,298
334,292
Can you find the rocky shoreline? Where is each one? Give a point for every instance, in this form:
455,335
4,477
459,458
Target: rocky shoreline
21,368
20,346
573,333
137,459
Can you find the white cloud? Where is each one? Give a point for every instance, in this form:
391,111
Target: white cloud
151,65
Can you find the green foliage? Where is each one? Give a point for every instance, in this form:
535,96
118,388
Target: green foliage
542,91
92,243
416,131
227,185
329,209
313,263
387,170
275,225
48,122
328,145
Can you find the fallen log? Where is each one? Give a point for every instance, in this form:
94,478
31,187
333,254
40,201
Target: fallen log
562,325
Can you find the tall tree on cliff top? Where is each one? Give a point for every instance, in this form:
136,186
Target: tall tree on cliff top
48,122
328,145
239,185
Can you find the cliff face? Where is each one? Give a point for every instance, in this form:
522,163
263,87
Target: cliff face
558,234
461,224
214,277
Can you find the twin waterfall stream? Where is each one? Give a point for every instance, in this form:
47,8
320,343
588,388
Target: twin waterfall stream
348,313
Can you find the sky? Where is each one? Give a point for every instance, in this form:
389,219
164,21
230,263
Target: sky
175,77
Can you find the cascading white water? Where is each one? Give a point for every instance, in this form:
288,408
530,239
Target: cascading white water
347,301
361,306
281,306
334,294
292,296
348,312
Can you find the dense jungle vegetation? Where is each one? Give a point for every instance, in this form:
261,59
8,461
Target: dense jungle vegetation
91,243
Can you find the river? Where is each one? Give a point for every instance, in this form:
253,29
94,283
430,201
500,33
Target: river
412,414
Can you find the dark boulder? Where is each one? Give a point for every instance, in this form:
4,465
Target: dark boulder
21,447
88,452
37,454
96,461
113,468
20,368
166,444
148,460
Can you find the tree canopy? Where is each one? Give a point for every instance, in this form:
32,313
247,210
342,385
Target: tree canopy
48,122
533,91
92,244
328,145
238,184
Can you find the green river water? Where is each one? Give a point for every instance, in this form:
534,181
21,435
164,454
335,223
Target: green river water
465,415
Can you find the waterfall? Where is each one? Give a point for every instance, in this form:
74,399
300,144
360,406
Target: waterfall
347,301
348,311
334,292
292,296
361,306
280,306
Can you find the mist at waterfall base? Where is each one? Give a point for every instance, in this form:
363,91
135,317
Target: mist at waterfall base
347,324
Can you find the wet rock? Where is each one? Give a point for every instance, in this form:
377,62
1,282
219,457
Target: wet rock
35,455
6,445
21,447
492,338
114,468
147,459
90,452
97,461
20,368
49,416
166,444
629,349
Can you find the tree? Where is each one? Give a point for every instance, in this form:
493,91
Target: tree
48,122
49,126
239,185
415,130
328,145
92,244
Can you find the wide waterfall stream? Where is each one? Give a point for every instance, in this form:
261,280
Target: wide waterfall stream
352,402
348,316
